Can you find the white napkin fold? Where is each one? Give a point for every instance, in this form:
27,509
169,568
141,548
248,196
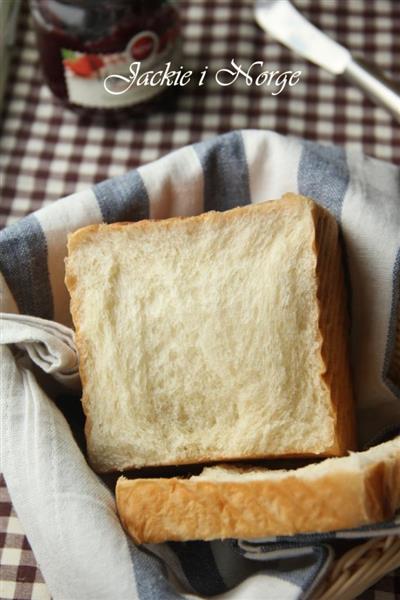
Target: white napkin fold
67,513
55,493
49,345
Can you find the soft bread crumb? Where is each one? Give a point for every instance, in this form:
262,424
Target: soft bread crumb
200,338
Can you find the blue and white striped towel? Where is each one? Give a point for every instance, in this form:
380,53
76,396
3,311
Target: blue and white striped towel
68,514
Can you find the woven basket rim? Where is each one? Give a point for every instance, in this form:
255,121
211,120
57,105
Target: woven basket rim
359,568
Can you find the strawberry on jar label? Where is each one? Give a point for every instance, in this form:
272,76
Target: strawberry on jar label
82,42
143,46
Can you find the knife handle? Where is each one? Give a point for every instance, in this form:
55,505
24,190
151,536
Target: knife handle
375,84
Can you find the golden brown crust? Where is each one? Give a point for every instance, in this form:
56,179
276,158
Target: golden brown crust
334,329
157,510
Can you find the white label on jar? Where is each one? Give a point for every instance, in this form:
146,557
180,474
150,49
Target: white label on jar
85,73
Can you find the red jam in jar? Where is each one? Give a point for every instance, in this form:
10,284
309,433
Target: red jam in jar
92,51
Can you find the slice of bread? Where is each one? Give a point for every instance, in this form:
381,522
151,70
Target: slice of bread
216,337
227,502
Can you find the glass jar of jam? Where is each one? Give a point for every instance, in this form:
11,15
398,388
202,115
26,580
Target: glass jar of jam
94,51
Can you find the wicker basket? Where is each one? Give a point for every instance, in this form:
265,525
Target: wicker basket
359,568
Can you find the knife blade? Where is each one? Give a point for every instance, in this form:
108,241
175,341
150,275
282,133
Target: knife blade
283,22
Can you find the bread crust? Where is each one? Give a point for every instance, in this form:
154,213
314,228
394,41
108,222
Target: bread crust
285,203
334,327
338,496
334,353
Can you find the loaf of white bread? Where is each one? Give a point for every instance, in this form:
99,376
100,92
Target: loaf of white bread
227,502
212,338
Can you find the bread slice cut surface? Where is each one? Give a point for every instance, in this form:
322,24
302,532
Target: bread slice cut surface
216,337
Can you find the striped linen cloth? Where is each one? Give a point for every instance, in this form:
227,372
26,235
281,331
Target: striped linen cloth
67,512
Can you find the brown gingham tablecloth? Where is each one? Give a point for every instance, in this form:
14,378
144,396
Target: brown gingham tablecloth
48,152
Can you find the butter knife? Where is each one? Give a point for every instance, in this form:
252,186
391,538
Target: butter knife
283,22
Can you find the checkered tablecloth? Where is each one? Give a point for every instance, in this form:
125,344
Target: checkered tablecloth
48,152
